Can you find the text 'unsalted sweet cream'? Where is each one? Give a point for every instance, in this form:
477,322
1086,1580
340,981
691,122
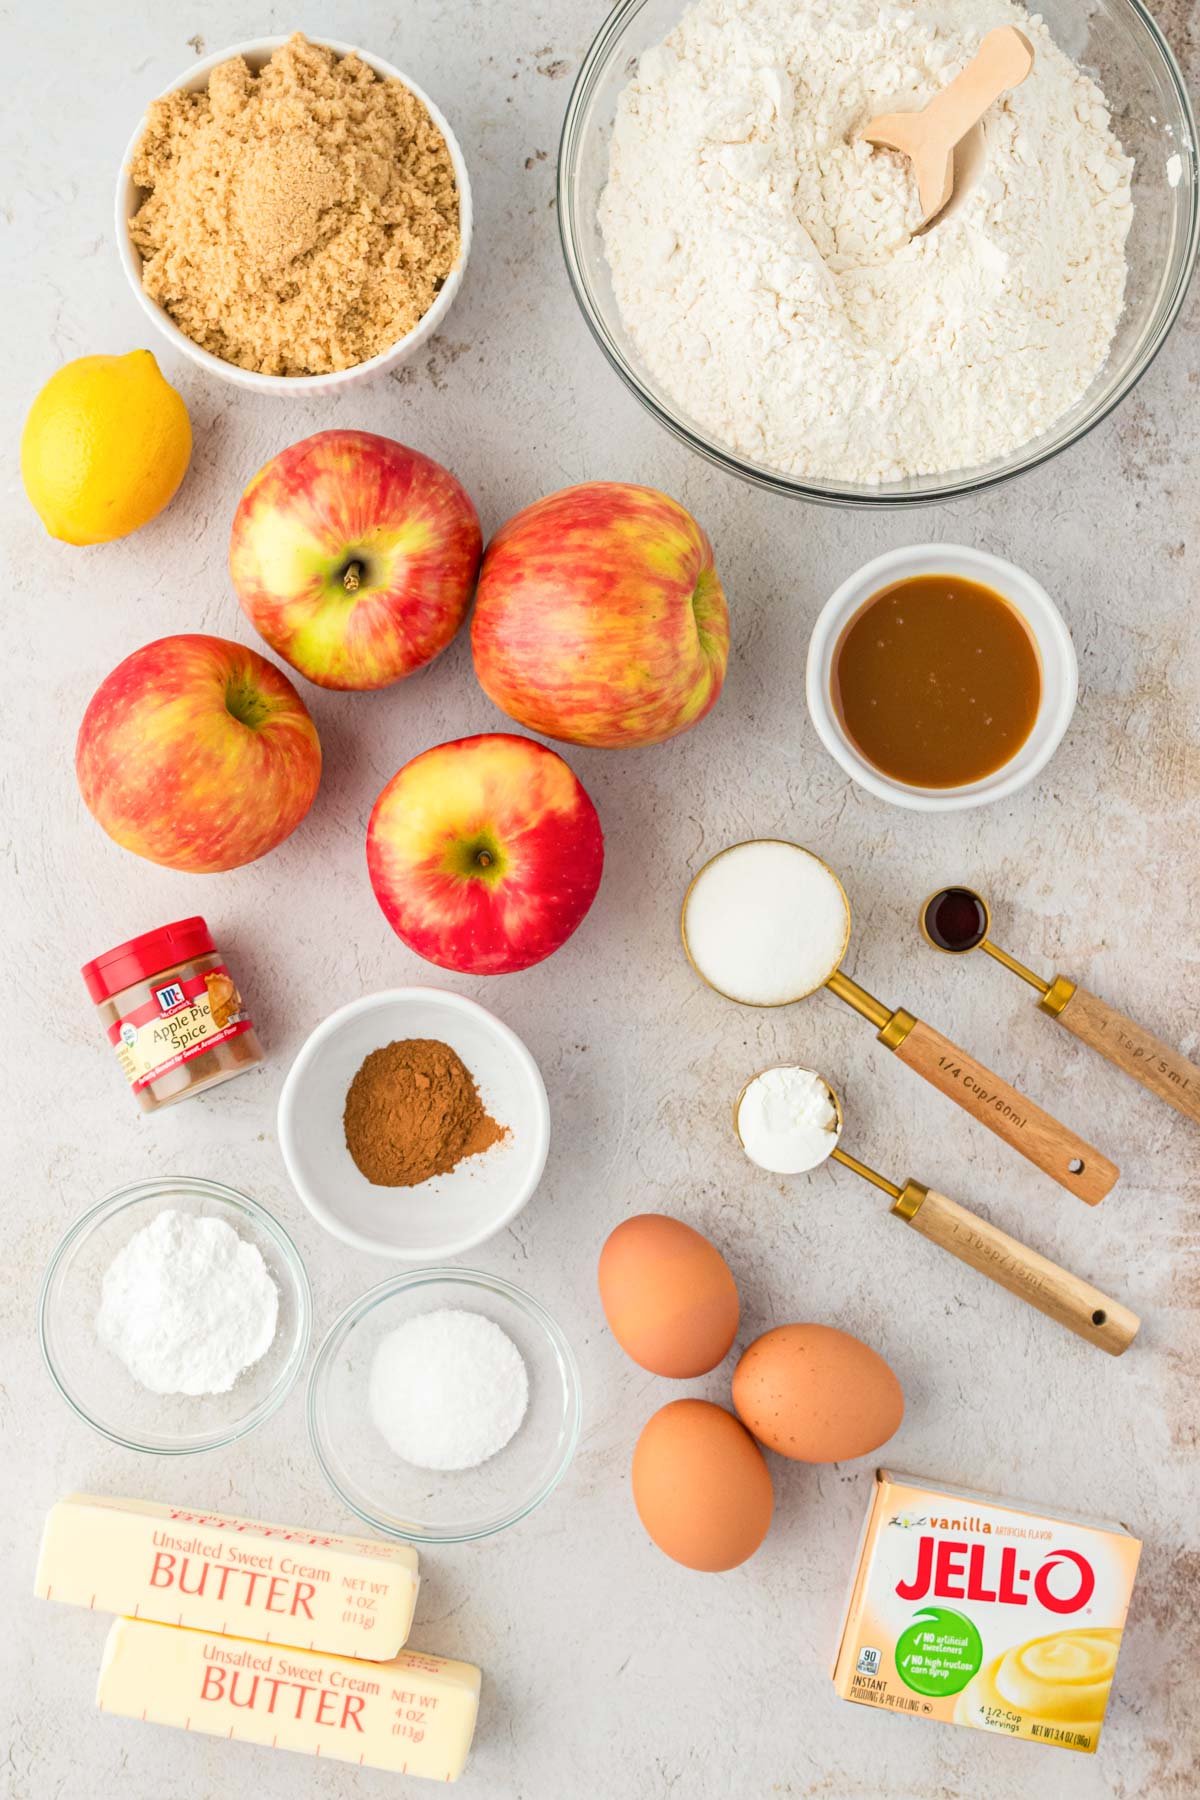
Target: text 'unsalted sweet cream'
213,1572
412,1715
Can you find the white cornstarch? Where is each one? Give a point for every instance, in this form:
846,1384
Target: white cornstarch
787,1120
763,258
187,1305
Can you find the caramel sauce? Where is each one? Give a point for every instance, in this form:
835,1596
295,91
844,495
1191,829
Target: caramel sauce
937,681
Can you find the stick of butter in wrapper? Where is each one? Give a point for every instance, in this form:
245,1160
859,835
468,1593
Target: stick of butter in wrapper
413,1715
985,1612
213,1572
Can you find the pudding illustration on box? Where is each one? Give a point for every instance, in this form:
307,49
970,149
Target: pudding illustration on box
986,1613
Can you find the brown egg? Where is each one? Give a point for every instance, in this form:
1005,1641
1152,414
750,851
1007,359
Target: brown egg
701,1486
668,1296
816,1394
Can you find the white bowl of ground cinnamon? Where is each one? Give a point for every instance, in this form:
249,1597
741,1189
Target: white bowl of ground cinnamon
414,1124
294,216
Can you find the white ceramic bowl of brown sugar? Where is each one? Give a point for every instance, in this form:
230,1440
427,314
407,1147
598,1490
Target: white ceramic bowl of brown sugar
256,53
445,1215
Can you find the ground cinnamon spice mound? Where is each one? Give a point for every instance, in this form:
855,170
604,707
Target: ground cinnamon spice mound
413,1111
296,221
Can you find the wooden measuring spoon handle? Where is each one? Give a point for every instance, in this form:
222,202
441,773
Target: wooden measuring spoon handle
1074,1164
1073,1302
1003,60
1132,1048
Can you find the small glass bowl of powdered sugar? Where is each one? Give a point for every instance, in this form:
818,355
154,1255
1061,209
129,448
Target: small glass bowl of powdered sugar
444,1405
175,1316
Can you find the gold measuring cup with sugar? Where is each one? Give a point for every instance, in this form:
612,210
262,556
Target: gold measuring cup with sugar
957,919
767,923
768,1131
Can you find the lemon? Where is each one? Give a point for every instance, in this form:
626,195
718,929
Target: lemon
105,446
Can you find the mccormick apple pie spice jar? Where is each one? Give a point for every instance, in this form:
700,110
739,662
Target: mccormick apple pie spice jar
173,1013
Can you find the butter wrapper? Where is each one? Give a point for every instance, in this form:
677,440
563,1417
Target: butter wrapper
412,1715
985,1612
210,1571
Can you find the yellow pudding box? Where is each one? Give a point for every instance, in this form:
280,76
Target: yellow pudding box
985,1612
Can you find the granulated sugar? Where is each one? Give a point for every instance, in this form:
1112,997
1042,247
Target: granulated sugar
766,922
763,259
447,1389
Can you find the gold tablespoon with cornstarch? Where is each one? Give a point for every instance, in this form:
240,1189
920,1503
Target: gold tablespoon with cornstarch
1053,1290
957,919
767,923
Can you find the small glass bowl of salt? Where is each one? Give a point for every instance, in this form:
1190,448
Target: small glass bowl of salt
444,1405
135,1233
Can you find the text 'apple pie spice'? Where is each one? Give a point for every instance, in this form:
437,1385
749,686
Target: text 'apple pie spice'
413,1111
298,220
173,1013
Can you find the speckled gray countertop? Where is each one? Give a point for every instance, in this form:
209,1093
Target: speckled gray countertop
608,1670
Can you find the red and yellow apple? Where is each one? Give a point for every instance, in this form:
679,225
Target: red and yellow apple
355,557
197,753
485,853
600,618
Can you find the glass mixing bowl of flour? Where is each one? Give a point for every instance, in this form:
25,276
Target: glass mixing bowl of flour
1114,41
94,1381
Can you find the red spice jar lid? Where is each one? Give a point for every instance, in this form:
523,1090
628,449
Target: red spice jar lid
146,956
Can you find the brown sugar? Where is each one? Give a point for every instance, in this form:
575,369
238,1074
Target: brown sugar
296,221
413,1111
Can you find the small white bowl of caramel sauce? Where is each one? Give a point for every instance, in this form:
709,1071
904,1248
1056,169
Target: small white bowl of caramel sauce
941,677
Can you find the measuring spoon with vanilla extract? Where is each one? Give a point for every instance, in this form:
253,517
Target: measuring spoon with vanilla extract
767,923
1032,1277
957,919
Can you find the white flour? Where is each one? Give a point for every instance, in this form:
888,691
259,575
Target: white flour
762,259
187,1305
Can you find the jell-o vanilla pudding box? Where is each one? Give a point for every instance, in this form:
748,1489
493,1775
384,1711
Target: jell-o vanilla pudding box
985,1612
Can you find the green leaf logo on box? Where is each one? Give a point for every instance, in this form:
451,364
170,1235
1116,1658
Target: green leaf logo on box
939,1652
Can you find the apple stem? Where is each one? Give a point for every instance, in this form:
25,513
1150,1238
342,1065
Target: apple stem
352,577
484,859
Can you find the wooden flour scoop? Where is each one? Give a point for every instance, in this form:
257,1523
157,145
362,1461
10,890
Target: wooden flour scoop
930,137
